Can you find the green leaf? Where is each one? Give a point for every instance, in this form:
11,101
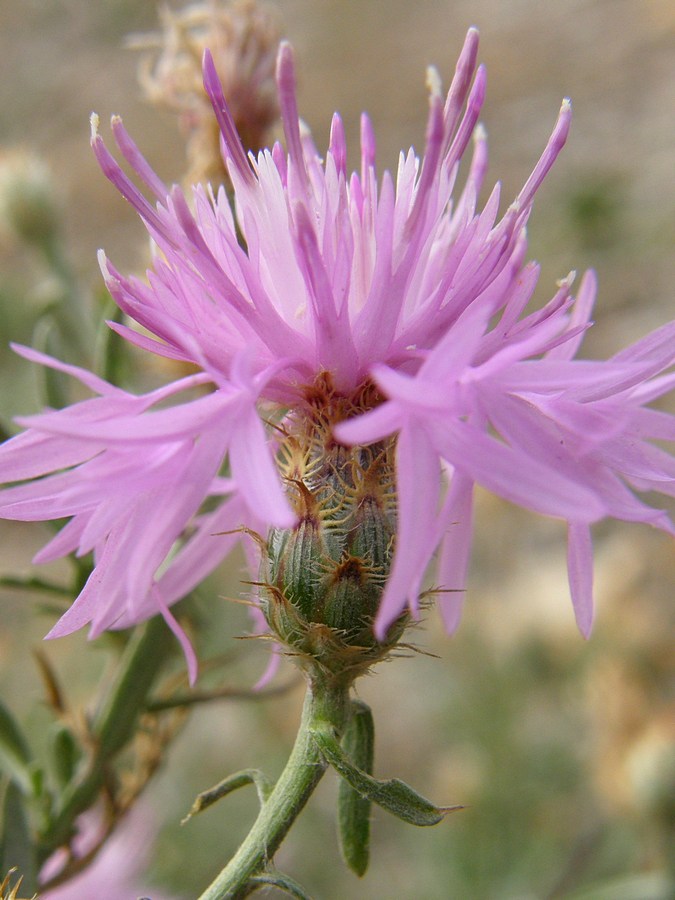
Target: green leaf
65,753
395,796
358,743
54,385
110,350
37,584
226,786
148,649
15,757
16,844
283,882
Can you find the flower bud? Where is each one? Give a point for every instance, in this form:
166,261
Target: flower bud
28,206
323,579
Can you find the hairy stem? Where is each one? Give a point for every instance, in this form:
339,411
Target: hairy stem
304,769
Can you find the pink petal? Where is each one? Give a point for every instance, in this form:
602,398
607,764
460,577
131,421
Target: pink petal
183,639
371,426
580,570
256,474
519,477
453,564
216,535
418,479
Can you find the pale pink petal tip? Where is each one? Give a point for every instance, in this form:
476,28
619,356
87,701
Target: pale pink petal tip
452,606
233,145
56,631
183,639
384,620
271,669
580,568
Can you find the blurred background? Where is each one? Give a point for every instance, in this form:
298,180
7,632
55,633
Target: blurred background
563,751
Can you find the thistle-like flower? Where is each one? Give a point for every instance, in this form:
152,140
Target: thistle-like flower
366,344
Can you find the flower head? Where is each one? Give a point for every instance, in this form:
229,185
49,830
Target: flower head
28,198
243,36
396,302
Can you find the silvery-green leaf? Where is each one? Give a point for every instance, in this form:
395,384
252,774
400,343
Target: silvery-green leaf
358,743
15,758
395,796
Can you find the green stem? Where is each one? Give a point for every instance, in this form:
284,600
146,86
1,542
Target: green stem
304,769
72,316
114,724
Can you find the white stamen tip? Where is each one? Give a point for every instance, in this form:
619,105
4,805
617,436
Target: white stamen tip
433,81
103,263
479,133
94,123
568,280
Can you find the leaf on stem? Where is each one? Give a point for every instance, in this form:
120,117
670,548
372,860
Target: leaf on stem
16,845
358,743
110,351
54,385
283,882
395,796
15,757
66,753
226,786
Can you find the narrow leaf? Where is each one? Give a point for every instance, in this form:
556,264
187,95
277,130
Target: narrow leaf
15,756
395,796
358,744
283,882
16,845
65,753
226,786
54,386
110,352
148,649
37,584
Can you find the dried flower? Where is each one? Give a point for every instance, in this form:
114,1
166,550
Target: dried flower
398,305
9,892
243,37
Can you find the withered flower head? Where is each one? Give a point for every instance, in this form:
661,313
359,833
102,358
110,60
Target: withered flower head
243,37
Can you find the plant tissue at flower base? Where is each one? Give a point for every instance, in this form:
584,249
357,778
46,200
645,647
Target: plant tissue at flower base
370,359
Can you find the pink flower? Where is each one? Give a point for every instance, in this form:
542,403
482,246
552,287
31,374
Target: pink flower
117,869
396,283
